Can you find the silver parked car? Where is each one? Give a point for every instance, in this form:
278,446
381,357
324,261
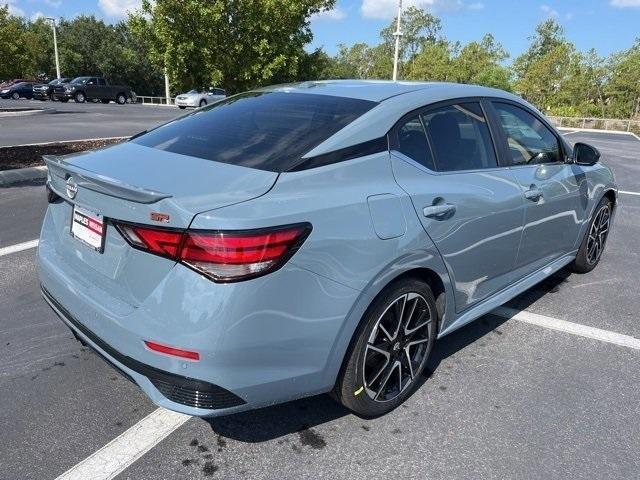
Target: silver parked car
199,97
314,237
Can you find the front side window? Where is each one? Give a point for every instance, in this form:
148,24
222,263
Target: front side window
101,81
263,130
459,138
528,139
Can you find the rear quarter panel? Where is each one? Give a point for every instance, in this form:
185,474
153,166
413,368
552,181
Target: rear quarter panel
344,245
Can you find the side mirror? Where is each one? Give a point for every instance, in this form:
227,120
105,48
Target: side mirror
584,154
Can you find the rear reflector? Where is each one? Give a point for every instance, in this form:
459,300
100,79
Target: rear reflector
174,352
224,256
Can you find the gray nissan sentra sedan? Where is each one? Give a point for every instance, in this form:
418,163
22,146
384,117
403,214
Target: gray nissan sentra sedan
315,237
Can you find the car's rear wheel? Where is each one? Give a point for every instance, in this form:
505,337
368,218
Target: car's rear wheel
15,95
595,238
121,99
79,97
390,349
203,103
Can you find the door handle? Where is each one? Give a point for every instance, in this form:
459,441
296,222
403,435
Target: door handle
534,194
439,211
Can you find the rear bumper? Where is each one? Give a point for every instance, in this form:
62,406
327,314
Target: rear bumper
183,391
266,340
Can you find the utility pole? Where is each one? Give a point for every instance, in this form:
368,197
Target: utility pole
55,45
167,92
397,34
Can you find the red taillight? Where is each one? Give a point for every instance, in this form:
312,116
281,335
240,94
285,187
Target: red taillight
162,242
224,256
174,352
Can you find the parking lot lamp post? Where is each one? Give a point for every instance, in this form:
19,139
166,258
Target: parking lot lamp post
397,34
55,45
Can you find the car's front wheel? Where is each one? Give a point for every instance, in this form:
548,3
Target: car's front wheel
15,95
79,97
121,99
595,238
203,102
390,350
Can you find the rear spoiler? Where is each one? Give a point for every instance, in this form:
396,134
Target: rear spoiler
62,169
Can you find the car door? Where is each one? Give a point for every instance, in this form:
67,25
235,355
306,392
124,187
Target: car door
471,207
91,88
555,204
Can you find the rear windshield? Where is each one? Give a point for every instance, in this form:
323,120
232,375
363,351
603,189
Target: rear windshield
264,130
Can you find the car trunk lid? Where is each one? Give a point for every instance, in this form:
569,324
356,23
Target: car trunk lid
130,182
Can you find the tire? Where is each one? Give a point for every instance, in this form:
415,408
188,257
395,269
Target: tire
79,97
202,103
595,238
181,107
15,95
121,99
382,366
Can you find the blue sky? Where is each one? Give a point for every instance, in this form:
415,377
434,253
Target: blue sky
607,25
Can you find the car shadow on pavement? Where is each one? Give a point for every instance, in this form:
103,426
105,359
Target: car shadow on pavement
302,415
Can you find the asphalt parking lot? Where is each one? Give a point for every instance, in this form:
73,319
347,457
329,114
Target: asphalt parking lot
504,398
78,121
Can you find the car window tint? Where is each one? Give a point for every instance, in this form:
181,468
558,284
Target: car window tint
460,138
412,141
528,139
264,130
101,81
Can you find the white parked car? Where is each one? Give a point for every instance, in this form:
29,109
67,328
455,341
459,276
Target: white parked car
199,98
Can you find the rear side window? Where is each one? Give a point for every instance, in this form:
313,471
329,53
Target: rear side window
263,130
528,139
459,138
412,141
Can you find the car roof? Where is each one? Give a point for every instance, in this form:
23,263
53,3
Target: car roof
381,90
395,99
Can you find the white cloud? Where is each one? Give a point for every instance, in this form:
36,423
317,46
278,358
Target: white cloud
625,3
37,15
549,12
388,9
333,14
118,8
53,3
13,8
475,6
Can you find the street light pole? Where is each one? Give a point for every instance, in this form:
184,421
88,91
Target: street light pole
55,45
397,34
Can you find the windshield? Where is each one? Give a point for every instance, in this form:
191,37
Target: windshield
264,130
193,91
80,80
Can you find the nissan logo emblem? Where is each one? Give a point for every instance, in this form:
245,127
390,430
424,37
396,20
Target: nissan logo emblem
72,188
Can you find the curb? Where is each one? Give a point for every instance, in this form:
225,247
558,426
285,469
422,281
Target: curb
59,142
8,177
595,130
25,113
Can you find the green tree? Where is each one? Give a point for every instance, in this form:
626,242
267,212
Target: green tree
419,29
548,35
433,63
623,88
479,63
237,44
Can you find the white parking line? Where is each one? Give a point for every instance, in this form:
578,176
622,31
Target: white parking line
629,193
19,247
125,449
569,327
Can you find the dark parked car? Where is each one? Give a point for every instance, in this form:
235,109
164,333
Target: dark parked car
44,91
18,90
82,89
9,83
